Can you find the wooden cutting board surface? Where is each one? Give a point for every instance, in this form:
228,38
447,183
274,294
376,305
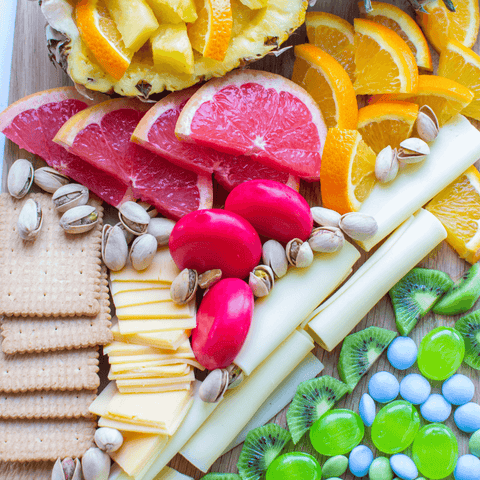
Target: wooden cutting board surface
33,72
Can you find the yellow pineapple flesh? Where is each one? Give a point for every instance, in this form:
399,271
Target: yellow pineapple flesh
173,11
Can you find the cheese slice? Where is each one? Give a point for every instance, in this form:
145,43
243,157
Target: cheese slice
120,287
141,297
152,367
170,474
128,349
147,358
129,427
155,381
129,327
165,309
174,387
164,371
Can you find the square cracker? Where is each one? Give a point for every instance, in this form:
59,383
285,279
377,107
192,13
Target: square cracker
26,471
57,274
40,440
34,334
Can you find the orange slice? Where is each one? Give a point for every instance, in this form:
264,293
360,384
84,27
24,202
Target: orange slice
445,97
328,83
210,33
440,25
463,65
384,63
403,24
333,35
384,124
347,174
458,208
102,37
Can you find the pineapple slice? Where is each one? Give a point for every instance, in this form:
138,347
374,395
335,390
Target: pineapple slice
171,48
174,11
255,4
134,19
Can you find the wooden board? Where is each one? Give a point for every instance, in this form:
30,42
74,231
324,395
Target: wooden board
33,72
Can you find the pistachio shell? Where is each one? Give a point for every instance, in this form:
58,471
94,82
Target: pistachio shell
299,254
79,219
326,239
209,278
114,247
261,280
413,150
95,464
274,256
235,376
386,165
49,179
69,196
427,124
134,217
161,228
214,386
142,251
358,225
150,209
129,236
20,178
184,286
30,220
108,439
325,217
68,469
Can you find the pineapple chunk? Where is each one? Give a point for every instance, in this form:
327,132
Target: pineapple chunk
174,11
134,19
171,48
255,4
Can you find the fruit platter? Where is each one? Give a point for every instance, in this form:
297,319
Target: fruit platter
241,240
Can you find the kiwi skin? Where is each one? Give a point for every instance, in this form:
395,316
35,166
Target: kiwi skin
469,328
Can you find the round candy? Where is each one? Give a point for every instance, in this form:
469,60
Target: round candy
474,444
403,466
435,451
436,408
441,352
383,387
415,389
468,468
395,427
335,466
402,353
359,461
337,432
366,409
380,469
458,390
467,417
294,466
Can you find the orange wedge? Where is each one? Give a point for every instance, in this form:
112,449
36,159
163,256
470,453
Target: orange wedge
210,33
403,24
384,63
102,37
328,83
440,24
383,124
347,174
333,35
445,97
458,208
463,65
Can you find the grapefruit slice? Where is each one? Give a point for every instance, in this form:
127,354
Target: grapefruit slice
156,131
33,121
101,136
258,114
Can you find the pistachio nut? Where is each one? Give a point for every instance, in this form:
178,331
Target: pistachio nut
209,278
116,472
235,376
299,254
49,179
184,286
30,220
161,228
79,219
427,124
67,469
151,210
142,251
108,439
114,247
214,386
69,196
326,239
325,217
20,178
261,280
134,218
95,464
358,225
274,256
129,236
386,165
413,150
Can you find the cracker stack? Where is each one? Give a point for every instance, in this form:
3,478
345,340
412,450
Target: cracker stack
55,302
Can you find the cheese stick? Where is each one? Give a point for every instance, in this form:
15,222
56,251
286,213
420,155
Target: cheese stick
456,148
331,322
116,473
291,300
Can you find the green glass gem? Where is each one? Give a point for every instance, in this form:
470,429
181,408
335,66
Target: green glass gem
440,353
335,466
380,469
395,426
294,466
337,432
474,444
435,451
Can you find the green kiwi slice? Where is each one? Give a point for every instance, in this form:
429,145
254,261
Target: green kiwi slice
360,351
469,328
415,295
222,476
313,398
462,295
261,447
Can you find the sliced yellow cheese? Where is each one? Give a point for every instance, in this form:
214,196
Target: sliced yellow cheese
141,297
129,327
146,359
162,310
155,381
164,371
151,367
129,427
120,287
128,349
174,387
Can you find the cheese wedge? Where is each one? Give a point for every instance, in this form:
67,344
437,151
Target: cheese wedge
128,349
120,287
165,309
164,371
129,327
152,367
174,387
332,321
155,381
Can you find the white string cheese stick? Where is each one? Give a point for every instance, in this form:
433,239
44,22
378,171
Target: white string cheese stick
331,322
291,300
241,403
456,148
116,473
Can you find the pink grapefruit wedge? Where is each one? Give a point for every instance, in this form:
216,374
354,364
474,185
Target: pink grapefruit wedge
261,115
156,131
